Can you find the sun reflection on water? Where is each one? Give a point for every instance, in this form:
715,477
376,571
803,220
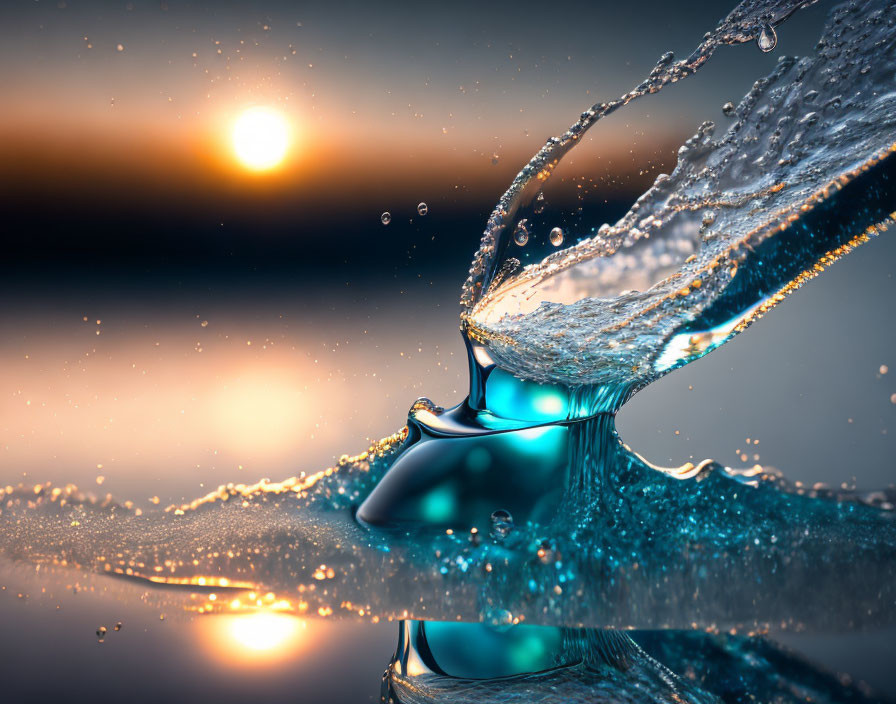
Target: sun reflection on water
252,639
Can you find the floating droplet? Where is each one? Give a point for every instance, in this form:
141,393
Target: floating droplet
499,619
884,369
556,237
118,626
767,39
728,109
386,218
422,209
521,233
101,632
502,524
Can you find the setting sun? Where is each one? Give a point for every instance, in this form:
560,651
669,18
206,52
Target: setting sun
261,138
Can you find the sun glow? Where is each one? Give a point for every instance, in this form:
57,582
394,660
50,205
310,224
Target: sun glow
255,638
261,138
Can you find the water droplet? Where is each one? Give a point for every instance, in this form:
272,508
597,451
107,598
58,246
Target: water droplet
499,619
728,109
386,218
521,233
893,398
884,369
422,208
101,632
767,39
539,203
502,524
118,626
556,237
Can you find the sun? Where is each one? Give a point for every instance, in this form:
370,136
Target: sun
261,138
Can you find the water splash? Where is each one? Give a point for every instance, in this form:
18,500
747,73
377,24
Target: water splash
521,508
803,175
624,544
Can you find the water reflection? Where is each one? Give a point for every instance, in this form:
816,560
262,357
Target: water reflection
259,638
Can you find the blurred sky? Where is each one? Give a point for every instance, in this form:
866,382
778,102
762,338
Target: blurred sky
115,132
171,321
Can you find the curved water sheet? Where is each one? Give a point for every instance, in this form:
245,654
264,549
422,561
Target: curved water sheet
804,173
630,545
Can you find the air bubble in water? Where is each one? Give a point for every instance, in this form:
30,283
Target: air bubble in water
499,619
556,237
422,209
521,233
728,109
502,524
767,39
386,218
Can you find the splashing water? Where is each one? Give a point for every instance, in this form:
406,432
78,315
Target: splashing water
802,176
438,523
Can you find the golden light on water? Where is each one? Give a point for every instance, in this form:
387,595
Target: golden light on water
261,138
254,638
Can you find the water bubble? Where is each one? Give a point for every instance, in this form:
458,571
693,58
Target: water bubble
499,619
118,626
101,632
767,39
556,237
521,233
422,209
502,524
539,204
893,398
728,109
386,218
884,369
